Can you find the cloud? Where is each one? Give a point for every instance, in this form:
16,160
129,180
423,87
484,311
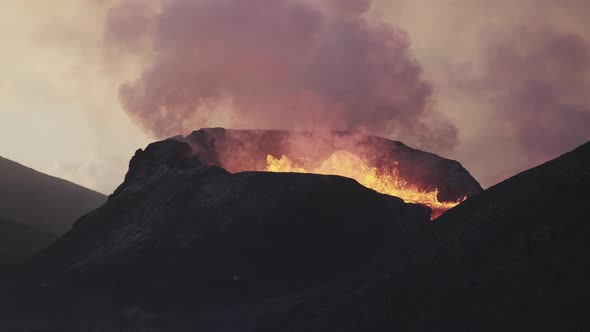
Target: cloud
537,79
57,102
500,86
512,76
286,64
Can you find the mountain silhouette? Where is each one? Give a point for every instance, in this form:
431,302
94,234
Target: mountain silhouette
41,201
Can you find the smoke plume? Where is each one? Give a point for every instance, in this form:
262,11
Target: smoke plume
539,83
283,64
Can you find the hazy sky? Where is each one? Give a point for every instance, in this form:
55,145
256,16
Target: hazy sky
498,85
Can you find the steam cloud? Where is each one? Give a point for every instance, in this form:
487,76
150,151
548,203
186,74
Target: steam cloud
539,83
284,64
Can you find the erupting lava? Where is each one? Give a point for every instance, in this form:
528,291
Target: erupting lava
383,180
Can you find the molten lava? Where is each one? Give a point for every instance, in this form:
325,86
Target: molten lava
384,180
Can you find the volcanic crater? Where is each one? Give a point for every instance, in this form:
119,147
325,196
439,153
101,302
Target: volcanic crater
386,166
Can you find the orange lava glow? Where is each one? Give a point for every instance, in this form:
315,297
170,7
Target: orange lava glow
383,180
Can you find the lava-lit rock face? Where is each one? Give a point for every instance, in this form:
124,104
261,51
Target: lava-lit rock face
247,150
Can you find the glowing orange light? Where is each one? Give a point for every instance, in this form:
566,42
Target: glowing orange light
384,180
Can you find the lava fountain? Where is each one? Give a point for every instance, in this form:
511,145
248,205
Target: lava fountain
384,180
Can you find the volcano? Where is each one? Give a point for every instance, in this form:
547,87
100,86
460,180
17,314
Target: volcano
199,222
183,245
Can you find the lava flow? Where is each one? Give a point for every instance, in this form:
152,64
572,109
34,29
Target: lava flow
383,180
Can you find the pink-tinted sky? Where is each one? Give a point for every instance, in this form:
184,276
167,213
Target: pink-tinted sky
500,86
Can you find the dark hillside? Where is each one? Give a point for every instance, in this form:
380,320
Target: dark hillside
44,202
18,241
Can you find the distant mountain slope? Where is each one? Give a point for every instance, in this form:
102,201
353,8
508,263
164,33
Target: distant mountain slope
19,241
42,201
515,257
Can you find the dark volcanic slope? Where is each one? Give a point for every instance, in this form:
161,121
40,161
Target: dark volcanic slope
515,257
183,246
42,201
246,150
18,241
179,232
